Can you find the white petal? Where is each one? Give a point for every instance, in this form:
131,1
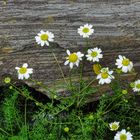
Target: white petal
26,76
37,38
101,81
68,52
51,39
20,76
25,65
17,68
108,81
77,64
42,32
42,43
120,57
124,69
110,72
47,43
98,76
71,65
67,62
123,131
89,51
30,70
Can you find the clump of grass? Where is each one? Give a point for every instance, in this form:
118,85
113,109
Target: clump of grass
67,119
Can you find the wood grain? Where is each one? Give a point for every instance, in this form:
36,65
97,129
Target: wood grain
116,24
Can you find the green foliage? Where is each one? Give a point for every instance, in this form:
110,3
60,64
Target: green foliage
10,113
68,118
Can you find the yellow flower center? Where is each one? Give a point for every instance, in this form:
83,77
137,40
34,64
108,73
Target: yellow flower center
123,137
114,126
44,37
73,57
104,75
86,30
126,62
94,54
22,70
138,86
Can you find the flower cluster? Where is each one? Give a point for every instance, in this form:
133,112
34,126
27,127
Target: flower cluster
120,135
104,74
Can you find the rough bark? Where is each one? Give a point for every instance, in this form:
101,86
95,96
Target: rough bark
116,24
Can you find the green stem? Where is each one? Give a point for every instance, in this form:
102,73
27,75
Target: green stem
11,128
112,108
113,101
17,120
82,65
59,66
42,85
79,94
86,86
63,109
59,123
81,76
22,94
70,73
5,132
25,115
81,126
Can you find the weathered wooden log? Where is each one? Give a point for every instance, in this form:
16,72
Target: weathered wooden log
116,24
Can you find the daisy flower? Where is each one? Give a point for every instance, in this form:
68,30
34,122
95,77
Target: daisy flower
86,30
136,87
94,54
44,38
105,76
24,72
73,58
123,135
114,126
124,64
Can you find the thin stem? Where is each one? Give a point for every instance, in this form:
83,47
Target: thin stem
82,65
78,103
86,86
75,95
59,123
81,76
59,67
22,94
11,128
63,109
25,113
4,131
70,73
42,85
113,101
16,115
112,107
81,126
